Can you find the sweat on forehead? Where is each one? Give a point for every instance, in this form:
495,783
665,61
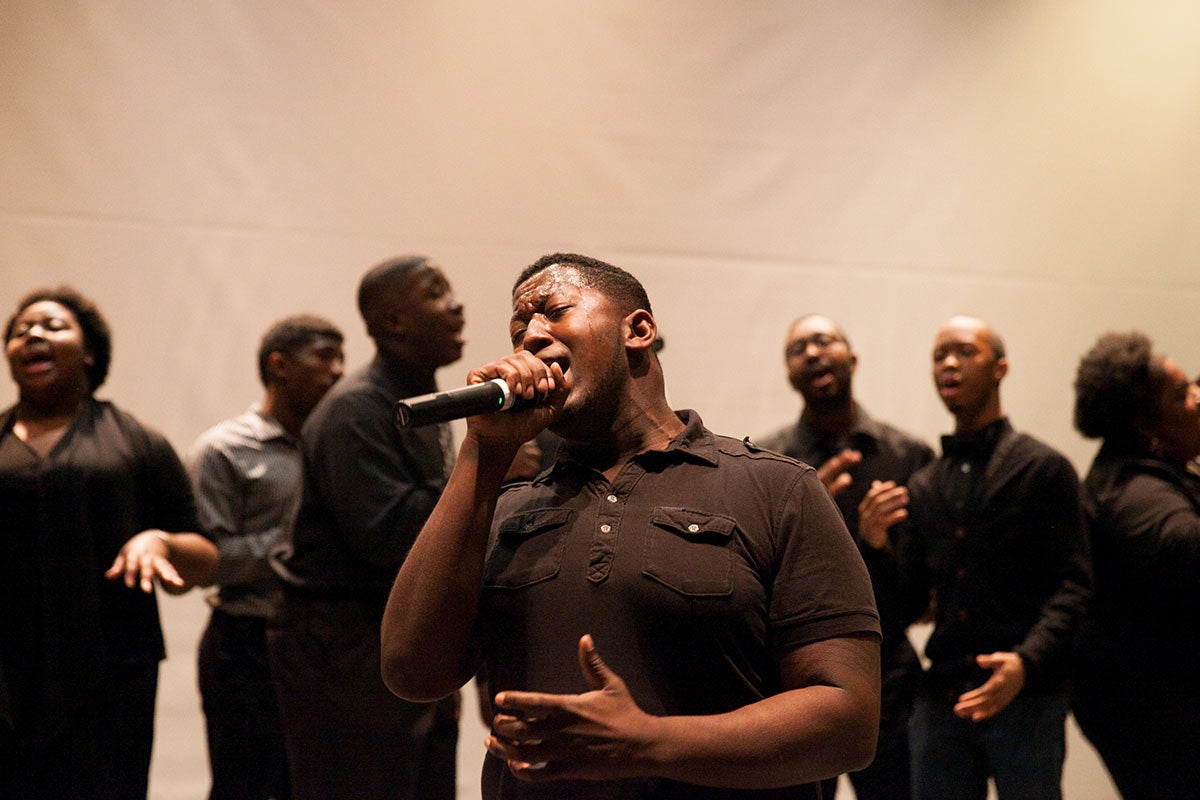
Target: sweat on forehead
579,271
551,280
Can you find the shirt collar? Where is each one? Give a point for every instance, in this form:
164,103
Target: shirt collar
978,445
265,426
694,442
864,436
397,379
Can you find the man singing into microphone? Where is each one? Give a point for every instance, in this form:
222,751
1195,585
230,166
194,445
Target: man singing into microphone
665,613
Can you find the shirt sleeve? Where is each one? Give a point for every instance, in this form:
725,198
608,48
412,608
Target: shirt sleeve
821,587
1160,532
167,502
220,506
1047,645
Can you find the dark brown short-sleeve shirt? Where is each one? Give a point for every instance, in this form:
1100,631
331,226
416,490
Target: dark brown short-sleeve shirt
695,570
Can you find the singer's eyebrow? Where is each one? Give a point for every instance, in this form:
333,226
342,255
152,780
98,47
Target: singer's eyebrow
524,307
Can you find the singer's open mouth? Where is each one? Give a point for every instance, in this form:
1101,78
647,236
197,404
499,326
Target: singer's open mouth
563,364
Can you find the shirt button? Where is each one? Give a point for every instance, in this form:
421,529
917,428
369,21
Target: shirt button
612,498
605,528
965,468
960,533
694,528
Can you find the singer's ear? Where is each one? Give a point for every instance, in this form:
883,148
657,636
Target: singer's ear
642,330
276,365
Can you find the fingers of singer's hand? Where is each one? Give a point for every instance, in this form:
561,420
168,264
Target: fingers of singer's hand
117,568
148,569
522,372
539,380
848,458
882,498
839,484
527,762
831,469
526,375
167,574
531,707
983,703
967,708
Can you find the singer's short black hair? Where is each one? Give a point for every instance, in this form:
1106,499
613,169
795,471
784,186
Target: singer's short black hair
1118,381
617,284
290,335
96,333
374,286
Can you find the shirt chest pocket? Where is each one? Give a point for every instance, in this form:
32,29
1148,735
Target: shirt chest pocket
528,548
690,551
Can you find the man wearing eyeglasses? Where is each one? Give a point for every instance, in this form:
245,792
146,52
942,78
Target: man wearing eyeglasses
851,451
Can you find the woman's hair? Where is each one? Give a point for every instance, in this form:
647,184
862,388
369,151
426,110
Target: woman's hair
96,333
1117,382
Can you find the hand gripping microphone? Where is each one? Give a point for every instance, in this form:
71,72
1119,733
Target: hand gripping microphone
479,398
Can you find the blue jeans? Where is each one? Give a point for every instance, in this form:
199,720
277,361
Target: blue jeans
1022,749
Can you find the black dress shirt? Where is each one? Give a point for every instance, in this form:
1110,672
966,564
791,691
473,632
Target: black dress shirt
1001,547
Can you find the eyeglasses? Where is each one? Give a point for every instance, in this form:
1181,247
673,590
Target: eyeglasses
821,341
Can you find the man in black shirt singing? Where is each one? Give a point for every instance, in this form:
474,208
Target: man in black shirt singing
852,452
995,536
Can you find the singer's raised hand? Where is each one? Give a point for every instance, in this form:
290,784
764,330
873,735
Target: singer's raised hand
530,379
427,631
884,505
835,473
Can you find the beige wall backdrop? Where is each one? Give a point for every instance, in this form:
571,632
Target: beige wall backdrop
203,168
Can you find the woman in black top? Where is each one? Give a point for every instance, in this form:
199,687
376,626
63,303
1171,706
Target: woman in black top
1137,682
92,503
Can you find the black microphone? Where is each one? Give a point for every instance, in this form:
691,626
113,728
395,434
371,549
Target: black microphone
480,398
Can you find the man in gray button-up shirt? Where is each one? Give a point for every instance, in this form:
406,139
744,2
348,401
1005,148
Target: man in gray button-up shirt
247,475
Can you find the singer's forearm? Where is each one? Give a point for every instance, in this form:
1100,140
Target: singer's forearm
427,629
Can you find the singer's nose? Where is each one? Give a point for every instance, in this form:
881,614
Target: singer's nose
537,333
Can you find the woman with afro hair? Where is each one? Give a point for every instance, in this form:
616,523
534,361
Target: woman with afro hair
1136,688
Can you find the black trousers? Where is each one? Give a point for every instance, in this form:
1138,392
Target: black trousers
245,738
101,753
1146,729
346,734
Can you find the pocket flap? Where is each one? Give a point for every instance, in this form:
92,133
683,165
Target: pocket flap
693,524
532,522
